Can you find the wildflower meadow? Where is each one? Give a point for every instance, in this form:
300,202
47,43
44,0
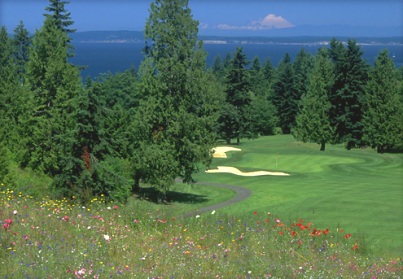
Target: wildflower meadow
62,239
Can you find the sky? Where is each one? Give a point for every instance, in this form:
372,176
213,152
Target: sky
227,17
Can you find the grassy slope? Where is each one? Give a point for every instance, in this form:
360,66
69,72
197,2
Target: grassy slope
358,190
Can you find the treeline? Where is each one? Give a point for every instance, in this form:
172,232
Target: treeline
158,123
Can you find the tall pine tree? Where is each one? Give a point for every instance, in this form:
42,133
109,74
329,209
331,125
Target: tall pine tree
383,107
348,92
54,83
285,98
312,122
175,121
62,19
236,120
21,43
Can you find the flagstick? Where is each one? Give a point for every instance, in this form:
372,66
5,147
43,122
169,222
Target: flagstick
276,160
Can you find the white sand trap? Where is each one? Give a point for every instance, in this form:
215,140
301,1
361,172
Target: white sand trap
219,151
238,172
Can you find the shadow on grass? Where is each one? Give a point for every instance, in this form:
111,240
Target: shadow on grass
153,195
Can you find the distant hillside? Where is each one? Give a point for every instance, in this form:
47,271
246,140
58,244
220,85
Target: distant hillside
108,37
138,37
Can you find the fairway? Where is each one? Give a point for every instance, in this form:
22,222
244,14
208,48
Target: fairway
359,190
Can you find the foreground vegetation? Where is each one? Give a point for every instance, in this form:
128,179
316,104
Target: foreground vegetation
59,239
321,222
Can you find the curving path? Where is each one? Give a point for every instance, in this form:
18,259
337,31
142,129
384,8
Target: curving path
241,194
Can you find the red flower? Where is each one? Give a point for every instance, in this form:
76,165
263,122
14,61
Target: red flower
280,233
347,236
326,231
255,212
355,247
66,218
300,242
7,223
293,233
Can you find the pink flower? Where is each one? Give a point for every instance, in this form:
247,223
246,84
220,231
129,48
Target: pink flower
115,207
7,223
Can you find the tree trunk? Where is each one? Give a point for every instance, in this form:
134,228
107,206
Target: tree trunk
379,148
237,141
322,146
228,140
136,185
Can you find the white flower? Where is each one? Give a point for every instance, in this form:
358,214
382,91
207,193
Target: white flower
213,212
197,216
106,237
15,212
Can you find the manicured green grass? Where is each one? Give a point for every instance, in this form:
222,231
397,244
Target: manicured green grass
358,190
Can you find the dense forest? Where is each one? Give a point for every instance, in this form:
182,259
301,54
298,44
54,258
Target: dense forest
159,122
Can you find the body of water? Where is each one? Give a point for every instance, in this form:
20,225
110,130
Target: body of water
114,57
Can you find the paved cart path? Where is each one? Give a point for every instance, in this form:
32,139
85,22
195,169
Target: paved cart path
240,195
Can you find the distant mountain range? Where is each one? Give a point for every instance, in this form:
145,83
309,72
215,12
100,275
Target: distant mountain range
138,37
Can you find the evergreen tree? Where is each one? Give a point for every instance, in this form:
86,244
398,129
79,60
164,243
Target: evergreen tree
22,43
62,19
268,72
9,91
82,150
60,16
54,83
383,109
285,98
263,112
301,67
218,66
237,120
348,92
174,126
312,122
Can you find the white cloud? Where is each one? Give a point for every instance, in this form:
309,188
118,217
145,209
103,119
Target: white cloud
203,25
269,22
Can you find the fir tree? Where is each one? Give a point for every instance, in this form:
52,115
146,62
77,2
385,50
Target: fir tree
312,122
285,98
348,92
383,107
21,43
62,19
174,121
237,121
54,83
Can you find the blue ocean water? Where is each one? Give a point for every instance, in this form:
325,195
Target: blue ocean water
114,57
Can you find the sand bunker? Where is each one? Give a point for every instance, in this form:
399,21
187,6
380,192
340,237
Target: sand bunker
219,152
238,172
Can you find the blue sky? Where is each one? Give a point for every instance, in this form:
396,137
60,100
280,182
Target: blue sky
227,17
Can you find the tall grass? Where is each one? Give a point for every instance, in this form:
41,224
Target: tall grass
45,238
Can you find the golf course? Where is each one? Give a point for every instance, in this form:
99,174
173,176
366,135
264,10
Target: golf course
357,190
